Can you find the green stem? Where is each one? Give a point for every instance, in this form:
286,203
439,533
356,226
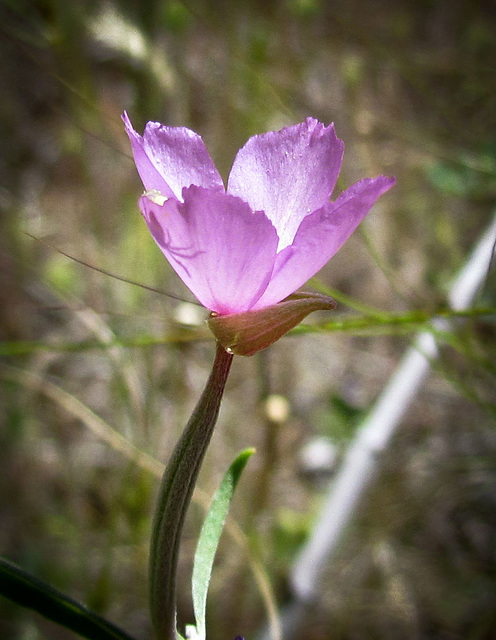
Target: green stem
174,497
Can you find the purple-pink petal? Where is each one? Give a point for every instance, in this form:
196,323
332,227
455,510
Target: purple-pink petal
275,227
149,174
173,156
320,236
288,174
222,250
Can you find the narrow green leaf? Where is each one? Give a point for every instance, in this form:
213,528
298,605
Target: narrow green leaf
30,592
210,536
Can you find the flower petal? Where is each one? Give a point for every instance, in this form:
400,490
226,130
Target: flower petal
171,158
222,250
150,177
320,236
288,174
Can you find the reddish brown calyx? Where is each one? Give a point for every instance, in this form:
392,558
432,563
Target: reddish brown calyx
246,333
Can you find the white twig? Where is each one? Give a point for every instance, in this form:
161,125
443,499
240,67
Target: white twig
360,464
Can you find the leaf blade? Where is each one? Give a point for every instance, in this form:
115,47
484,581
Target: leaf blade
210,536
30,592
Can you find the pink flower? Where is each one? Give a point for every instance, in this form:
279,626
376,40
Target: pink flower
253,244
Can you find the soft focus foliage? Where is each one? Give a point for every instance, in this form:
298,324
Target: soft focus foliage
87,419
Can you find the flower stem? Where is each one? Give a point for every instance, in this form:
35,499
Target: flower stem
174,497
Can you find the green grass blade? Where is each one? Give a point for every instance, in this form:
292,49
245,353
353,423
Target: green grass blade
210,536
30,592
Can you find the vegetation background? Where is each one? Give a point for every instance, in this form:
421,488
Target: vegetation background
91,365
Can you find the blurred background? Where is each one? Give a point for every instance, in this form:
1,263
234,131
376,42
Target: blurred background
94,370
